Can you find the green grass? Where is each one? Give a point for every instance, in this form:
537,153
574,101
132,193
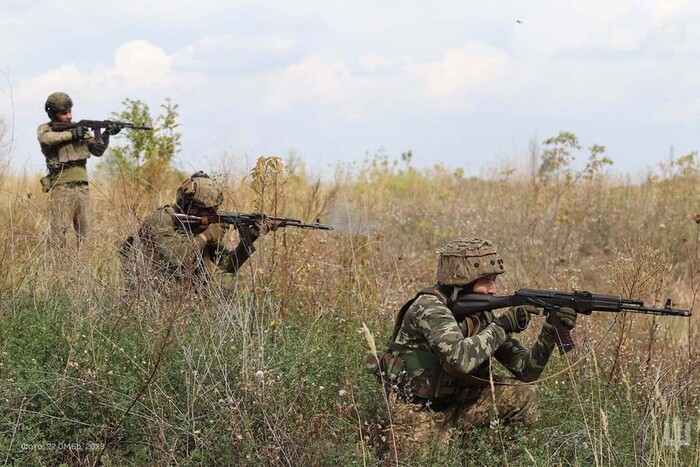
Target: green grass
270,370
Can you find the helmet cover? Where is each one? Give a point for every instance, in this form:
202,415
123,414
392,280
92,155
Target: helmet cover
466,260
200,190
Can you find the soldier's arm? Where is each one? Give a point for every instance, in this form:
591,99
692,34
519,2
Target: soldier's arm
526,365
438,325
179,251
95,147
49,137
231,261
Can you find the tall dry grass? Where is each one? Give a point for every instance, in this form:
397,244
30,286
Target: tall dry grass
266,367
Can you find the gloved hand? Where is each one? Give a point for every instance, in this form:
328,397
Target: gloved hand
566,316
263,226
79,132
214,233
516,318
113,129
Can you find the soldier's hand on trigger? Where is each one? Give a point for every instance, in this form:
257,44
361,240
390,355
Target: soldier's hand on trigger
214,233
565,315
517,318
79,132
113,129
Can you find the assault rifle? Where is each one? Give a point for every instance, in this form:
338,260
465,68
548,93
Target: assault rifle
97,126
582,302
239,219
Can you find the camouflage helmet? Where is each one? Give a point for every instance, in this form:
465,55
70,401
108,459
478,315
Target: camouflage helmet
201,191
57,102
466,260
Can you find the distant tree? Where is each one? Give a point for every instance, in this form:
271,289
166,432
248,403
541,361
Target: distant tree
145,155
559,155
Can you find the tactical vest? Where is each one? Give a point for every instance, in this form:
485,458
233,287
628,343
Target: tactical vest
68,151
415,375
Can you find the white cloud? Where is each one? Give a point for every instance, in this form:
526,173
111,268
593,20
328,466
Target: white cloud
395,61
376,62
310,81
140,62
376,85
50,81
662,11
624,38
463,72
273,44
217,53
139,68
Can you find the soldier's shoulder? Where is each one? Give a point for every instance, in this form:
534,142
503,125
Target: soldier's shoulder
43,127
161,217
428,303
429,299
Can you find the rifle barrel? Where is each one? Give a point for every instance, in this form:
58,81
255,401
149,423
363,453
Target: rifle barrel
657,311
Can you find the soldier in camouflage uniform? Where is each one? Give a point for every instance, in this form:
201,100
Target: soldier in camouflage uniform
66,155
175,252
439,369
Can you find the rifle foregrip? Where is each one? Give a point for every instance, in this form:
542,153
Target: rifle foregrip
562,335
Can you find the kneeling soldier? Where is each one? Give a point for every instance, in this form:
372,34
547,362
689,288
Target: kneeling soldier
439,369
172,252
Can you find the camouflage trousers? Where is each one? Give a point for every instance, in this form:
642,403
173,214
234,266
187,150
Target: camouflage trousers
509,402
69,206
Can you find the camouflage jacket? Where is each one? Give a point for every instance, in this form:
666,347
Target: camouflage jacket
428,325
171,251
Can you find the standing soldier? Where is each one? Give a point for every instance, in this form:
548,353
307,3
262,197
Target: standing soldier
439,369
66,155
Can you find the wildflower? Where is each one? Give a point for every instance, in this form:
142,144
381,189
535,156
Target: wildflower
259,375
342,393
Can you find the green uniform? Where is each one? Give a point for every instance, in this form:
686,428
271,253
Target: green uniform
163,251
67,181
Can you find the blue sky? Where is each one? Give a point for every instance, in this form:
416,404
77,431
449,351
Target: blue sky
463,83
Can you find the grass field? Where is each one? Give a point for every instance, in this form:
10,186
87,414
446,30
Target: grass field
268,368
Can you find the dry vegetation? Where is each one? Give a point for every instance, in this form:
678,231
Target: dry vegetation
267,368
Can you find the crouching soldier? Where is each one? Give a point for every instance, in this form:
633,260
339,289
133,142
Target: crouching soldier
438,369
167,251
